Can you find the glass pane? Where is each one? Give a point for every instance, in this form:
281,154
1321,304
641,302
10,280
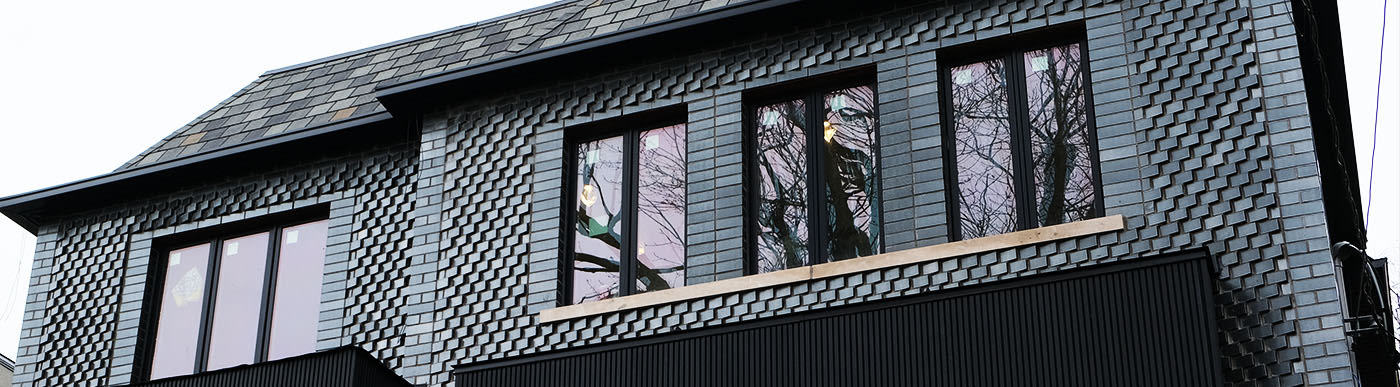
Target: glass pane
852,186
782,168
982,148
598,230
1064,185
233,336
297,299
661,209
181,304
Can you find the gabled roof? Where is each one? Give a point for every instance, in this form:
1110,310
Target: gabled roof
341,87
341,100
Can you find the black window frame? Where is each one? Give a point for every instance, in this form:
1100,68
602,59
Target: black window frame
1012,49
630,127
214,237
812,92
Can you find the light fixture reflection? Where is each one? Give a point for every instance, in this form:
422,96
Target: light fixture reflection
589,196
830,130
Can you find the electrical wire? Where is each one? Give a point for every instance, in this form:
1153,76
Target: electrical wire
1376,118
10,295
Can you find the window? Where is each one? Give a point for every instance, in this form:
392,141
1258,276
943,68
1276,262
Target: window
1022,144
237,300
814,180
628,213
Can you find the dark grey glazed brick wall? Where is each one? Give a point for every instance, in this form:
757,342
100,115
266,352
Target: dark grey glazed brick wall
85,298
446,258
1189,168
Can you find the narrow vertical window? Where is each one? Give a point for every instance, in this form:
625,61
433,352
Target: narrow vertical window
233,336
598,227
851,180
815,178
628,213
1059,134
661,209
296,302
782,185
181,311
982,145
1022,141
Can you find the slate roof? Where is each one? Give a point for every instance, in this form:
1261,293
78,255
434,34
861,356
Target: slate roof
342,87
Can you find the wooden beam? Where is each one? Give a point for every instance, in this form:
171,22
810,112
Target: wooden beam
839,268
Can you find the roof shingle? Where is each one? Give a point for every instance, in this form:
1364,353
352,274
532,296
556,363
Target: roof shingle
342,87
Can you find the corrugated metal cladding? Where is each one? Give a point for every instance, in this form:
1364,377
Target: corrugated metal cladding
341,367
1144,323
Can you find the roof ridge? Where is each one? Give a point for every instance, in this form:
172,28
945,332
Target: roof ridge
414,38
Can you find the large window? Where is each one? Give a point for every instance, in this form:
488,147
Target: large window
241,299
1021,140
628,213
814,180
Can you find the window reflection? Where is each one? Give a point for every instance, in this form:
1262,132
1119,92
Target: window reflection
782,201
852,184
1059,134
1023,147
982,149
661,209
181,308
598,229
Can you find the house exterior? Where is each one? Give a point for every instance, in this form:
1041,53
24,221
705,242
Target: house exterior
1086,192
7,371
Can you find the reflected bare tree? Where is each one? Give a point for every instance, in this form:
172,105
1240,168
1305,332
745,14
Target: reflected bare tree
982,137
851,184
660,208
1060,159
782,163
1059,135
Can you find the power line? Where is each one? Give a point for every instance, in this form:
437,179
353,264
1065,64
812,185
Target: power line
1376,117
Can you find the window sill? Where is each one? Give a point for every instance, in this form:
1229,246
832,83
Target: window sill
839,268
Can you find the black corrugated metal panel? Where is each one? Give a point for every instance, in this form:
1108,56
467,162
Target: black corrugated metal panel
1149,322
341,367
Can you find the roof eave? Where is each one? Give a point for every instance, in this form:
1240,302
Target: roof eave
21,208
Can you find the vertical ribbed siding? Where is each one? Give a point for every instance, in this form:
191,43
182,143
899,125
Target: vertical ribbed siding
1137,324
343,367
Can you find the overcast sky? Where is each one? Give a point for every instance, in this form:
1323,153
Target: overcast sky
87,85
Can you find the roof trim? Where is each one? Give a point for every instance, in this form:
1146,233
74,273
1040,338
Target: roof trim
397,89
343,55
14,206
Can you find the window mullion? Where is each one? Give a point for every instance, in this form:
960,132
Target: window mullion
206,316
568,224
627,269
269,292
816,171
1022,158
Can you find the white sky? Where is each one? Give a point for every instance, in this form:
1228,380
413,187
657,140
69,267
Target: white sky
90,84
